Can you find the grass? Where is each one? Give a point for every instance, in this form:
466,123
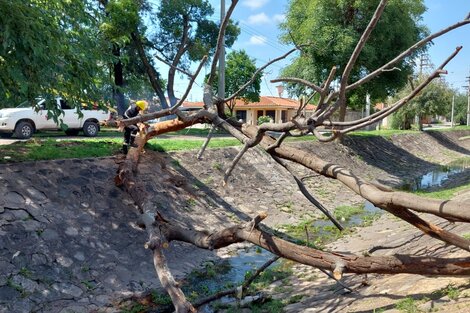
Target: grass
48,149
346,212
407,305
445,194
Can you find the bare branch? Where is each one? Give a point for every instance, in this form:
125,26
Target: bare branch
190,85
382,114
171,65
405,53
308,195
235,162
242,88
360,45
395,201
314,257
243,286
206,142
299,81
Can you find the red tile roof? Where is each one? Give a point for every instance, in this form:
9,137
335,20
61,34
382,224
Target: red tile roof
265,102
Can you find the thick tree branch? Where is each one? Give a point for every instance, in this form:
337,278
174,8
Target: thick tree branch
387,200
336,262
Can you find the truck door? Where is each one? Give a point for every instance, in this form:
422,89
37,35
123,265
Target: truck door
70,116
43,121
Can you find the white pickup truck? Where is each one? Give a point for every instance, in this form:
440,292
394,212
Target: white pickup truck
24,120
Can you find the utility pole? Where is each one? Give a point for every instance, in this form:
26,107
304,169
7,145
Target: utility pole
468,103
452,113
468,100
221,91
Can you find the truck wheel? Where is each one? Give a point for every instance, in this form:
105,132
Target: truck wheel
24,130
90,129
72,132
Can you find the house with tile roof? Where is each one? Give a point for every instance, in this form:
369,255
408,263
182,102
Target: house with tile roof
277,108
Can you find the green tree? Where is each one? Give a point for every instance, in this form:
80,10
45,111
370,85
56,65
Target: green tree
434,100
185,33
239,69
50,48
461,106
332,29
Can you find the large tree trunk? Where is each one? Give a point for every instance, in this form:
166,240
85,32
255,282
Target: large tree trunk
118,82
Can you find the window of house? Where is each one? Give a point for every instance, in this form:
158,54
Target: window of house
241,115
259,114
271,114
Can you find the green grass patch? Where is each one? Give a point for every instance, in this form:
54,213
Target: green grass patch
34,150
407,305
49,149
346,212
445,194
387,133
165,145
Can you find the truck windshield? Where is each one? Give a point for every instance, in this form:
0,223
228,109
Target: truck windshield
27,104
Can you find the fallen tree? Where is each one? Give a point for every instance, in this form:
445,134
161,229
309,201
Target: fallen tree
403,205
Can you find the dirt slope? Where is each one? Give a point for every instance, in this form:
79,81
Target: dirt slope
69,239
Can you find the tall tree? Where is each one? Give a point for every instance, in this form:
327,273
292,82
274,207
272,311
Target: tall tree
121,18
461,106
185,33
239,69
50,48
331,29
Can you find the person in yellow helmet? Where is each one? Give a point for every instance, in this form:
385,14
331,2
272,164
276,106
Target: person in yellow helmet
131,131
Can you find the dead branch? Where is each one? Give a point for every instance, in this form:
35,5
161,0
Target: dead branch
357,50
401,102
299,81
171,65
391,201
235,162
337,262
190,86
206,142
406,53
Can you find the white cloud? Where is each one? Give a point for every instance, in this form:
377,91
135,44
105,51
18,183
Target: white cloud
254,4
258,40
279,18
260,18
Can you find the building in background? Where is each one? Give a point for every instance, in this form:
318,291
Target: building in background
279,109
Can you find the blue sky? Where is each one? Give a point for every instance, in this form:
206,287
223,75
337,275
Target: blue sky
259,19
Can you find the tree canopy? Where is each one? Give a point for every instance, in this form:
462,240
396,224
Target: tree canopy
331,29
185,33
434,100
50,48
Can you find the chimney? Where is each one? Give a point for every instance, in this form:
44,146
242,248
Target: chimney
280,90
